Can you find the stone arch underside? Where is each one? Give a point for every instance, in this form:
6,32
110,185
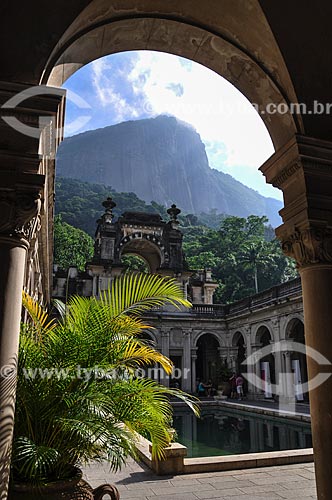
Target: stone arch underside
206,332
262,332
247,58
237,337
144,249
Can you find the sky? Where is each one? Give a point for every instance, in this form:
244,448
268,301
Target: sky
144,84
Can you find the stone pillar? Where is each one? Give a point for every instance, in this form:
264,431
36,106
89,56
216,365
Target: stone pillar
165,351
29,122
288,375
256,392
250,368
278,364
193,369
303,170
186,362
16,211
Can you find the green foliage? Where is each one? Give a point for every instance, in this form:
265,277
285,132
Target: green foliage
72,246
80,203
242,252
134,263
78,397
243,257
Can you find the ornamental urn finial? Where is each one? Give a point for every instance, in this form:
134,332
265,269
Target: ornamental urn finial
109,204
173,212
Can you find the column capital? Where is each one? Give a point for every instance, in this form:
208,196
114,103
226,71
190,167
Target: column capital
302,169
308,245
20,204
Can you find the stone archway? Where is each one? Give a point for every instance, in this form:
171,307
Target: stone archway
145,250
267,363
100,30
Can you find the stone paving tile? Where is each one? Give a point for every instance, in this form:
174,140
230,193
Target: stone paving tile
229,492
282,479
267,488
159,490
298,485
137,482
298,494
183,481
232,484
258,496
225,480
181,496
306,474
142,495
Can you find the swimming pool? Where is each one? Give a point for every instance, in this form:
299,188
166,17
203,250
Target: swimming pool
230,432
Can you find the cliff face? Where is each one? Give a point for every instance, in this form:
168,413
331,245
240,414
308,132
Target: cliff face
160,159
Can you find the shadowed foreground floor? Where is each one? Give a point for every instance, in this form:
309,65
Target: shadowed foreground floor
137,482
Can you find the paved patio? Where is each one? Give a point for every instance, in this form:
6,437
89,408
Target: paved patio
137,482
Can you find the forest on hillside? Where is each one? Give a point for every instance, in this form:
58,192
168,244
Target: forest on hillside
242,252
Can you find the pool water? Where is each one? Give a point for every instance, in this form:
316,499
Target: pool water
231,432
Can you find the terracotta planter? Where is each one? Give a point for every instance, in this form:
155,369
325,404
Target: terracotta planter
74,488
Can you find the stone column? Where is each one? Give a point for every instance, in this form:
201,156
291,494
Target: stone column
193,369
186,362
29,120
16,211
250,368
255,369
303,170
288,376
278,364
165,351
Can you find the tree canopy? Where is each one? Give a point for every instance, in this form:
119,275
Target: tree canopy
72,246
243,259
243,253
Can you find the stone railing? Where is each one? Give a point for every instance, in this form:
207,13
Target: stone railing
208,310
266,298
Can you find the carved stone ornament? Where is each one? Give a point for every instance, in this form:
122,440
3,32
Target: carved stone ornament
309,246
19,213
286,173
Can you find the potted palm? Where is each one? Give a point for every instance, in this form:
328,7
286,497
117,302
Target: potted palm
79,397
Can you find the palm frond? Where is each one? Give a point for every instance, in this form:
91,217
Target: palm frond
138,293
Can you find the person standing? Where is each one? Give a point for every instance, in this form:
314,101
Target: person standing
239,386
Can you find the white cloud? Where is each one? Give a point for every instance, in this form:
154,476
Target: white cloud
218,111
106,92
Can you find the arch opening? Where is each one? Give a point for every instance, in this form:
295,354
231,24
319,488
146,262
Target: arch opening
143,250
86,41
207,359
267,363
